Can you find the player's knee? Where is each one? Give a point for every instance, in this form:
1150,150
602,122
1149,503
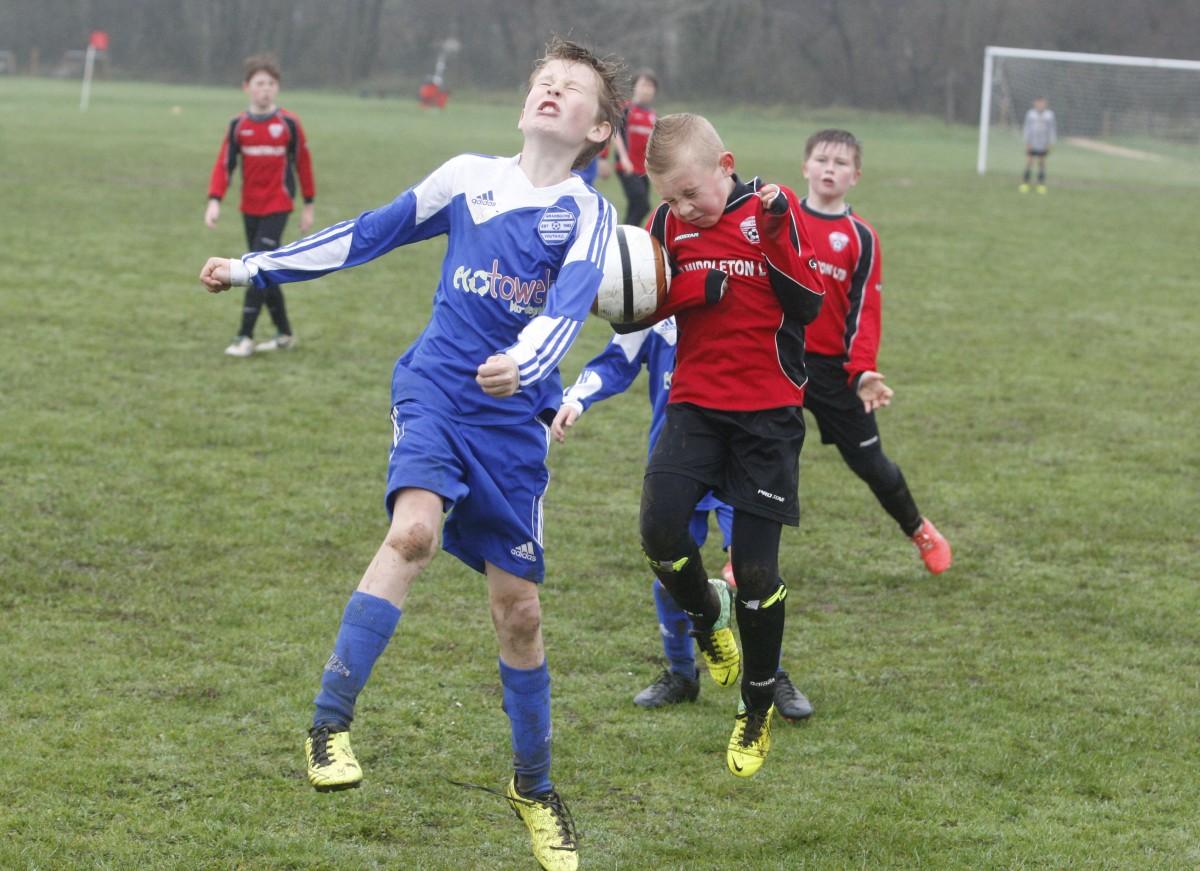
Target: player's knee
661,541
755,578
873,466
517,617
413,543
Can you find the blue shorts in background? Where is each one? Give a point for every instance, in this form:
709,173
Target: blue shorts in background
491,480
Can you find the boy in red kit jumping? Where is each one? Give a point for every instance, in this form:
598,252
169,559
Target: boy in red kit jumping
270,142
733,421
845,386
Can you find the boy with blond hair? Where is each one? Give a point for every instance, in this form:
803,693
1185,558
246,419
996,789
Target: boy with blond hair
269,142
733,421
845,386
472,399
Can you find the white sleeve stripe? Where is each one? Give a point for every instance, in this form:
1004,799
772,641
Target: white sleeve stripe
550,360
325,256
551,329
316,238
588,383
600,234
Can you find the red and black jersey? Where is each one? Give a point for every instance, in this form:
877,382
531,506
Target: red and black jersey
636,125
273,151
746,352
848,255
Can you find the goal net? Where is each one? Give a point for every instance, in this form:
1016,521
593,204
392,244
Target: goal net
1114,114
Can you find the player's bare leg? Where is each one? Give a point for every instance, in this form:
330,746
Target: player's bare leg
411,543
367,625
517,617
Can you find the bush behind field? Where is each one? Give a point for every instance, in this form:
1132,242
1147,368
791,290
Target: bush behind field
181,530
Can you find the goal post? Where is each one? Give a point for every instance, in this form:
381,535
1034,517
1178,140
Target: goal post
1093,95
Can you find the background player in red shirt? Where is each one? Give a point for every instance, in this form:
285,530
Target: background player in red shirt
270,142
845,386
630,146
733,422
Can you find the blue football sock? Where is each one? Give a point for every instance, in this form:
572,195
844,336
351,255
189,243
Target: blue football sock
527,703
674,625
367,626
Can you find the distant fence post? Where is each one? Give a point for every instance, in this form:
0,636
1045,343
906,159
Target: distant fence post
98,41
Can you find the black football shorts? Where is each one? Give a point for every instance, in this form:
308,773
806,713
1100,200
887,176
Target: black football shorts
838,410
750,459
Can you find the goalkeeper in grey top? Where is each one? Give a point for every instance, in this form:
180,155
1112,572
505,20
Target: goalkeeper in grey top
1040,133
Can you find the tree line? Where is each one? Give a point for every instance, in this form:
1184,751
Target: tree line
919,56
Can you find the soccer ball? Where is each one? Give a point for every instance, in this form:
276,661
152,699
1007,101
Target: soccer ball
636,278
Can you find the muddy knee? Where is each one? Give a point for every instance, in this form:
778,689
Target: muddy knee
414,544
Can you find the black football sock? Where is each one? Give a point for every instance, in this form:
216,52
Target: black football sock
250,310
899,503
275,305
760,622
686,582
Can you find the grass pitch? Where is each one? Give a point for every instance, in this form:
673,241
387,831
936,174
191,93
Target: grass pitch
180,531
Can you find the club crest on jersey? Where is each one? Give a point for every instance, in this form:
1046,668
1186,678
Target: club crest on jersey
838,240
749,228
275,129
556,225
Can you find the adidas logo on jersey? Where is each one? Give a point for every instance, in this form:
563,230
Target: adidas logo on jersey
525,551
484,199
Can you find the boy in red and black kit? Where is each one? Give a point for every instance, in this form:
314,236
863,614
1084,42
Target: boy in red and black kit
630,147
271,144
845,386
733,423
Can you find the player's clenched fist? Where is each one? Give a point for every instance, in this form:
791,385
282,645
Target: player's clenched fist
498,375
215,274
773,199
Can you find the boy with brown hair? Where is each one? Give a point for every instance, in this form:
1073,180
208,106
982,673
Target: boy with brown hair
472,400
271,146
733,421
845,386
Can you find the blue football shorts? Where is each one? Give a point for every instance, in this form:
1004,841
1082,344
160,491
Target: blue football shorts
491,479
699,524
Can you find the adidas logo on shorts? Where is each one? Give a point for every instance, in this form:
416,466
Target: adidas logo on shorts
525,551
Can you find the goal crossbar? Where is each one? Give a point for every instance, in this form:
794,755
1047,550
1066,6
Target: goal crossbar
994,51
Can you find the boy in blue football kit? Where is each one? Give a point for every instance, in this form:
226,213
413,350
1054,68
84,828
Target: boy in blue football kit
613,371
472,399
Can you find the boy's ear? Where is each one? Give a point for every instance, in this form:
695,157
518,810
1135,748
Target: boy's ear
600,132
725,161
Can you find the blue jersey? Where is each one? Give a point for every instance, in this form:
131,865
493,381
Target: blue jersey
522,267
615,368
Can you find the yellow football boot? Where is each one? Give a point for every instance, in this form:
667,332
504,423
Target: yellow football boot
555,843
331,762
750,741
718,645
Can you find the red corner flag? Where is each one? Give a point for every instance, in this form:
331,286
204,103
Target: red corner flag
98,40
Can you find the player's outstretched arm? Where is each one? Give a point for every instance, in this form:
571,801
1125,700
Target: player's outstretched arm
215,275
873,392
